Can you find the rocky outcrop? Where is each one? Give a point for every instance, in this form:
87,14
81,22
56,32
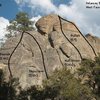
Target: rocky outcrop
95,42
47,24
33,56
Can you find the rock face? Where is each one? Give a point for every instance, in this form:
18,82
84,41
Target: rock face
95,42
33,56
47,24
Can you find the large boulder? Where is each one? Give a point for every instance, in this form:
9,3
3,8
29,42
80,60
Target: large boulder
47,24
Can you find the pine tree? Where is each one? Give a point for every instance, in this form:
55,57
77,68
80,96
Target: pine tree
20,23
23,22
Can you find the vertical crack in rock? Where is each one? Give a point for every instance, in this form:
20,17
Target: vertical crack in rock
64,52
60,58
50,41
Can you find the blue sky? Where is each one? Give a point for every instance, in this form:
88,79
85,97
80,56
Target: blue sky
87,20
58,2
10,8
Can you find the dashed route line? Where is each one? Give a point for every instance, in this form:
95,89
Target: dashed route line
11,75
81,35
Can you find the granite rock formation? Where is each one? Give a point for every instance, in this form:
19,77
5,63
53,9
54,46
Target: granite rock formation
57,43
